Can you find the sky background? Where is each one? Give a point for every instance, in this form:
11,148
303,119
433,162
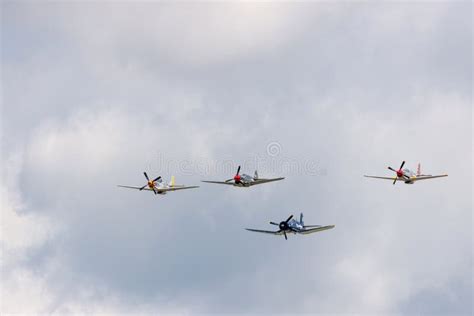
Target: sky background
95,93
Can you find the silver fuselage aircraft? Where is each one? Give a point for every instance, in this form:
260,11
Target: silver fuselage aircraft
407,176
292,226
244,180
158,186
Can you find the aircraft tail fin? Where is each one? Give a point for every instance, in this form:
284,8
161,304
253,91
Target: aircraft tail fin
172,181
418,170
255,176
301,219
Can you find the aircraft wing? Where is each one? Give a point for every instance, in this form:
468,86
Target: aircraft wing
160,189
264,231
418,178
176,188
316,229
260,181
136,188
386,178
219,182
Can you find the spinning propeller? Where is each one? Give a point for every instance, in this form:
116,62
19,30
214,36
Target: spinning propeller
150,183
236,178
399,172
284,226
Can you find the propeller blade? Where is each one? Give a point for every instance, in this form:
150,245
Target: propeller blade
238,170
154,190
403,163
394,180
143,187
286,238
289,219
273,223
390,168
228,180
157,178
146,176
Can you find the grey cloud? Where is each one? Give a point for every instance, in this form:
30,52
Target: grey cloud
354,89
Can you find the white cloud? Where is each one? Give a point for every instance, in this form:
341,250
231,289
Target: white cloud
19,234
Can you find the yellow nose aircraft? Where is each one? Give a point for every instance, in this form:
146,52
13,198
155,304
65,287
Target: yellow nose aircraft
158,186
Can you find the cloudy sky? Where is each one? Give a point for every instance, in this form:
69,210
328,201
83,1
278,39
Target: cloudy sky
95,93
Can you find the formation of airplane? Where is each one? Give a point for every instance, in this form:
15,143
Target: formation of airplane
244,180
292,226
407,176
158,186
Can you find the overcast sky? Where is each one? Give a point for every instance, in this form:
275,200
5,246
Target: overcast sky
95,93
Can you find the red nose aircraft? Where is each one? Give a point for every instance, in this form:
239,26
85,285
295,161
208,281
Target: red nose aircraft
244,180
407,176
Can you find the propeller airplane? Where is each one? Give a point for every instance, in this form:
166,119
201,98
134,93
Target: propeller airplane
292,226
158,186
244,180
407,176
